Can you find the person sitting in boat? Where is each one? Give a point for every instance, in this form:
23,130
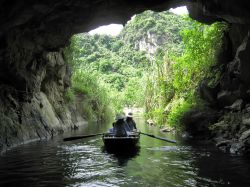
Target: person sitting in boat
120,127
130,122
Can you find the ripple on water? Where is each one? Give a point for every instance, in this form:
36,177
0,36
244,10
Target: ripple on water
90,164
175,149
78,148
86,164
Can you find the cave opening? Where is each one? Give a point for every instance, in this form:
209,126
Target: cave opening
34,72
198,78
161,62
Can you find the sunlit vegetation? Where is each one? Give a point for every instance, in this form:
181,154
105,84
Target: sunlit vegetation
113,72
172,88
106,64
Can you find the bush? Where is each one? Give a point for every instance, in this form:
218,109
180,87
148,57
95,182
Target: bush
69,96
175,78
179,108
95,105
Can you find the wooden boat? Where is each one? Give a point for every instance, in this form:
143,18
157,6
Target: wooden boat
125,142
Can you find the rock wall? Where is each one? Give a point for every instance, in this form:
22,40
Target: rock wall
226,116
151,43
32,87
232,131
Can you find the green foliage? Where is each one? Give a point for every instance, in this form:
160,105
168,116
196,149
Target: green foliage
107,57
202,42
159,89
69,96
176,77
179,108
111,72
95,101
134,91
116,60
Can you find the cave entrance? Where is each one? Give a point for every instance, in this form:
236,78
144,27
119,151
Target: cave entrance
156,61
129,70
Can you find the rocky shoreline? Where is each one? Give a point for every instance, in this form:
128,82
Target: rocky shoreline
224,117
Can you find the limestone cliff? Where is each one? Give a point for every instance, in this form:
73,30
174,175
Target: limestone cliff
149,44
151,31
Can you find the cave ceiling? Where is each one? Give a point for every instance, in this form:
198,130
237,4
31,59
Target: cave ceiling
52,22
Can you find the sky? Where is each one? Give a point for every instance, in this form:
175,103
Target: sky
115,29
179,10
112,29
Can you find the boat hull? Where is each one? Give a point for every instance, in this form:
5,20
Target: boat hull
113,142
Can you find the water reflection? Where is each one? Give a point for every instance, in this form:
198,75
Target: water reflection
86,162
124,155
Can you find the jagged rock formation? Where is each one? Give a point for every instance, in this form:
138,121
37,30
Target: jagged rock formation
34,76
228,102
33,72
150,44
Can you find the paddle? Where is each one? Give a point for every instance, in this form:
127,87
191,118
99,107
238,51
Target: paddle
153,136
80,137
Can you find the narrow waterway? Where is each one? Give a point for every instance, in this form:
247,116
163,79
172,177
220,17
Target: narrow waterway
86,163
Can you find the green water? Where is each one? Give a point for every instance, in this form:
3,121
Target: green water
86,163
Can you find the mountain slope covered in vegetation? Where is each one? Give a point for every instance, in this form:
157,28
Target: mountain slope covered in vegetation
118,63
156,62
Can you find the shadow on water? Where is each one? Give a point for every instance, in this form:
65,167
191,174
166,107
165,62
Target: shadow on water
123,155
85,162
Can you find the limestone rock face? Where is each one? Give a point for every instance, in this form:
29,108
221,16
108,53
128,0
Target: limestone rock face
150,43
197,121
33,80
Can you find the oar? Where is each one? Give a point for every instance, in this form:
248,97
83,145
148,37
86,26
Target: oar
153,136
80,137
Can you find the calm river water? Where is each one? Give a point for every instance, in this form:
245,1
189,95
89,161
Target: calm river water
86,163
